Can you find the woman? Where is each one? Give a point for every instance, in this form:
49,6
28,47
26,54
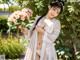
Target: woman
43,33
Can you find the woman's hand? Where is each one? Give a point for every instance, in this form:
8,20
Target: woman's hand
23,30
39,29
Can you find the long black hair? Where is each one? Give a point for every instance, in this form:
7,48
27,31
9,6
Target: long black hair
58,4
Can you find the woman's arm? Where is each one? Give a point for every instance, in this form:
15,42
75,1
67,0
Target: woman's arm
25,31
56,31
39,29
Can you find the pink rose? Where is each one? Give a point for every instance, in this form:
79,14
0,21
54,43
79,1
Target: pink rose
27,11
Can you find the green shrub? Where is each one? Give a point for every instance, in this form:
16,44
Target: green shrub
1,9
11,47
3,23
2,17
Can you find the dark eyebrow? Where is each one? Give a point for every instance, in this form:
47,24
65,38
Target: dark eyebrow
56,9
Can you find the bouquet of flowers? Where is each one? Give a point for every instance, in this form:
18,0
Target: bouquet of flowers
19,18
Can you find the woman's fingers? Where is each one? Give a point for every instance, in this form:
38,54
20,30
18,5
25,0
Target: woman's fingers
23,30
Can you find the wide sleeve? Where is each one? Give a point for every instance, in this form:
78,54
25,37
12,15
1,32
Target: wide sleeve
29,30
26,36
56,31
41,23
49,26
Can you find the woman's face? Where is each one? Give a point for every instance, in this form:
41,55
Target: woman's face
53,12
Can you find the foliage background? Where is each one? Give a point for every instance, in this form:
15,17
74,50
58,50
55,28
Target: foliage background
68,43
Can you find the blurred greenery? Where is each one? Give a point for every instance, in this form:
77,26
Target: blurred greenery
3,24
11,47
70,32
13,8
68,43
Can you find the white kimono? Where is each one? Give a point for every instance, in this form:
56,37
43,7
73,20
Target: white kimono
48,52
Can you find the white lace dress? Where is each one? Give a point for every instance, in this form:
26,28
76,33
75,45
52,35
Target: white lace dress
48,52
